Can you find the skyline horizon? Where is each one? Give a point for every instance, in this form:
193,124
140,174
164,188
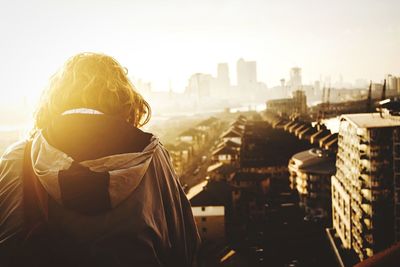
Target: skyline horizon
233,80
168,42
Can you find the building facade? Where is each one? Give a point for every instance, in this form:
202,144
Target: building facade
288,106
295,79
365,193
210,221
246,74
310,174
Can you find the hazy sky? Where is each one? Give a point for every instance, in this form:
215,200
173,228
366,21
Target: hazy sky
169,40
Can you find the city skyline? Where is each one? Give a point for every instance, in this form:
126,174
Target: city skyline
168,42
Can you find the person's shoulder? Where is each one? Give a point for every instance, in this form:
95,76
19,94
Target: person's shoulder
143,134
15,151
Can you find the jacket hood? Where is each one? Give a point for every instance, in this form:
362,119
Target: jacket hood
111,179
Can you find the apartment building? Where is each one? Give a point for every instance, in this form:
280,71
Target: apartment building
366,186
310,174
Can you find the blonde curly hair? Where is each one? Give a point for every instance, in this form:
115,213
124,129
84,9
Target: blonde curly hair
95,81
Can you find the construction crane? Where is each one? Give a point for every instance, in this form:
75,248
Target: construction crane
321,112
383,97
327,98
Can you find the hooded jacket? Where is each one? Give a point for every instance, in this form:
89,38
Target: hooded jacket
114,198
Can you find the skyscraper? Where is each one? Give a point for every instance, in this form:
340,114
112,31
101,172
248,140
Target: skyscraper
222,81
199,86
223,74
392,82
246,74
295,79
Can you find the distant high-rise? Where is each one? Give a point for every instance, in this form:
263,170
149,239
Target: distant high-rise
199,86
222,81
223,74
398,84
366,186
246,74
295,79
376,90
392,82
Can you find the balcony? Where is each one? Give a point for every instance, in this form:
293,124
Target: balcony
357,237
364,142
366,225
364,170
367,209
368,238
365,185
365,201
357,224
358,211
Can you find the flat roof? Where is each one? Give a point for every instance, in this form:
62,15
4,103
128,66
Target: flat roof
196,189
314,161
208,211
372,120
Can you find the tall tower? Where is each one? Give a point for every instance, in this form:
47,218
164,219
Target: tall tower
246,74
282,83
283,87
295,79
223,74
222,81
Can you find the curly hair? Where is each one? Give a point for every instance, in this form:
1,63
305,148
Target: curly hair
95,81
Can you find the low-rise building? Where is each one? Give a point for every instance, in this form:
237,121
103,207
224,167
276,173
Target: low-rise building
194,137
288,106
225,154
181,154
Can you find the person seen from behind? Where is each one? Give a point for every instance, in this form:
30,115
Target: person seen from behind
89,188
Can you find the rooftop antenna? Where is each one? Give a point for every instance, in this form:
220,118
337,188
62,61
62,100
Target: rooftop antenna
369,99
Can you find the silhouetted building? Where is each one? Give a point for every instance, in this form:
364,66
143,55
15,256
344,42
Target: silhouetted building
288,106
267,150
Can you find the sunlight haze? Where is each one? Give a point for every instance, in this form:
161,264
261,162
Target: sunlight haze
164,42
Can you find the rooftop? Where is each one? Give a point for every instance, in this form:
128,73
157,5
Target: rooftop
372,120
248,176
231,133
224,150
229,143
314,161
261,143
208,211
212,193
